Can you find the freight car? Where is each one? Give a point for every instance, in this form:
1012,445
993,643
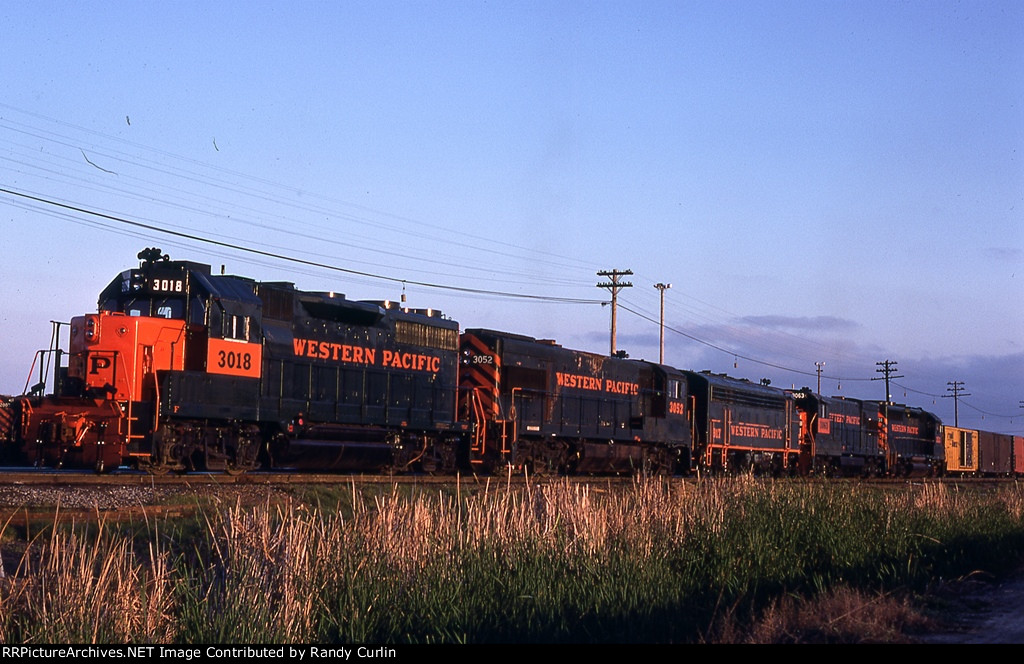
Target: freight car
536,405
995,454
973,452
961,448
976,452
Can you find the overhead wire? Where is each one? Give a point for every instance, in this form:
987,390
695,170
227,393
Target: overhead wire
319,239
734,353
292,259
467,260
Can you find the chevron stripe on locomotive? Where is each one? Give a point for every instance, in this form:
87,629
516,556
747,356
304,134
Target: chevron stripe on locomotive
180,369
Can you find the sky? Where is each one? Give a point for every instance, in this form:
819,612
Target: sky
826,185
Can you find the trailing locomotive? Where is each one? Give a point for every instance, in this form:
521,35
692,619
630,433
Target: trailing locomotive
743,426
854,437
181,369
536,405
833,436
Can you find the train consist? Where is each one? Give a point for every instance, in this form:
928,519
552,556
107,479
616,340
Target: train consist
180,369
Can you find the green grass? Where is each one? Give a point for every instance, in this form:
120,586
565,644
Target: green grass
661,561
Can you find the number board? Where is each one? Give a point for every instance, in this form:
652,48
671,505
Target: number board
167,282
234,358
167,285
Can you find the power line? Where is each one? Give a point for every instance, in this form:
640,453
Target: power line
734,353
956,387
224,178
614,285
292,259
887,368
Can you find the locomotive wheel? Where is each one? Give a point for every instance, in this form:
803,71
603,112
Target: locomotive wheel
240,467
245,459
167,449
446,458
657,462
276,448
246,454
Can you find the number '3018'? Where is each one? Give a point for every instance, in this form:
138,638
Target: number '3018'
232,360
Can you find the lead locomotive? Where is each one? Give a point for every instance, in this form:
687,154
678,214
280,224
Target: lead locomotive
182,369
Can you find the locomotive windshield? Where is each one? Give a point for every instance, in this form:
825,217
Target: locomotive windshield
225,306
155,293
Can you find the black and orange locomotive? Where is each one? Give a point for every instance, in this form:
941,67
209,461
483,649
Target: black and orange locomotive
181,369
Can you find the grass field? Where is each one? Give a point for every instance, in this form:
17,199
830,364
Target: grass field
659,561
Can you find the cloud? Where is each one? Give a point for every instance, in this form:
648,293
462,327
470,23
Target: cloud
817,323
1005,254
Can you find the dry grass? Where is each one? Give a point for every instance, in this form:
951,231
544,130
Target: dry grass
733,561
78,588
842,615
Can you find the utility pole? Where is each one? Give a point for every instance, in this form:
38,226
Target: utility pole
614,285
661,353
956,387
818,367
888,368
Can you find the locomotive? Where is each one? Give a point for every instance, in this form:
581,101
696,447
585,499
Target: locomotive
739,425
853,437
544,408
181,369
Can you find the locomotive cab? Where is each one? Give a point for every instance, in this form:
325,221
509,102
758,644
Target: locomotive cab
191,397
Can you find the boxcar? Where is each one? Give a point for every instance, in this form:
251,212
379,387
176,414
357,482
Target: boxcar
961,449
995,453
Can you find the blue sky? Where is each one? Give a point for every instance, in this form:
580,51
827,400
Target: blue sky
821,182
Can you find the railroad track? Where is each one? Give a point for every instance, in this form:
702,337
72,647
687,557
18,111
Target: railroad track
33,477
33,498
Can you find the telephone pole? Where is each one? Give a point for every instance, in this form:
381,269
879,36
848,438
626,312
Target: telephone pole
661,353
819,366
888,367
956,387
614,285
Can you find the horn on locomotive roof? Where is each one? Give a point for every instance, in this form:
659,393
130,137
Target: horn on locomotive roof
152,254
